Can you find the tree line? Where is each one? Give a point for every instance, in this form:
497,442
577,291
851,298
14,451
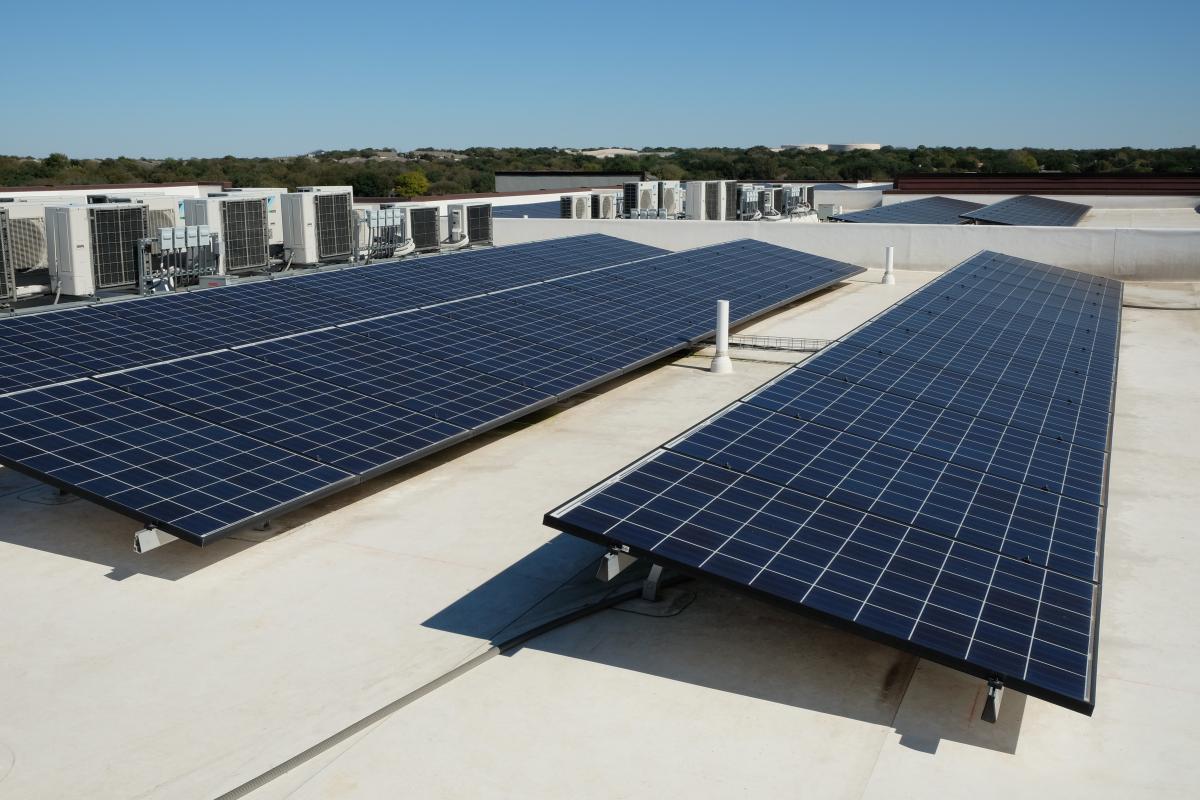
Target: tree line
386,173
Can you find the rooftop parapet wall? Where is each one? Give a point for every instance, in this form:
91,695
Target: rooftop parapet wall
1143,254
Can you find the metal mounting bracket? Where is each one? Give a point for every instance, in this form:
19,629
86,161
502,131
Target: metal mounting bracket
991,705
149,538
613,564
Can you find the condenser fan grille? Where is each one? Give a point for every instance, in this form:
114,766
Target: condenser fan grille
27,238
162,218
424,228
631,196
334,225
115,233
247,238
712,200
479,223
7,277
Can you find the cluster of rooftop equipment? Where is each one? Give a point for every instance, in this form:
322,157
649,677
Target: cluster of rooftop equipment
148,241
702,200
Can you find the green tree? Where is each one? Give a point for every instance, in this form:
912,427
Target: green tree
412,184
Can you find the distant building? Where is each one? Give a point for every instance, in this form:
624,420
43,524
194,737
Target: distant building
833,148
534,180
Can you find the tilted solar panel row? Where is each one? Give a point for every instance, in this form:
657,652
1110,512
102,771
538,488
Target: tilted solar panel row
925,211
103,337
936,489
1029,210
359,397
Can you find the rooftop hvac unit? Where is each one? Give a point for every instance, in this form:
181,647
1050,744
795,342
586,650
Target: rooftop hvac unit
604,205
575,206
468,224
706,200
670,199
640,196
274,202
731,199
92,247
827,210
241,226
318,225
423,228
8,277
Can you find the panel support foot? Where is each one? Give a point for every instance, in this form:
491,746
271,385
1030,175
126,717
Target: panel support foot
265,525
149,538
650,586
991,706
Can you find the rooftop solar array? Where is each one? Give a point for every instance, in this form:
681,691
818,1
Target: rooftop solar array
548,210
926,211
1027,209
935,480
201,412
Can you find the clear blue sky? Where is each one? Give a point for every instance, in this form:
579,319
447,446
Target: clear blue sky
267,78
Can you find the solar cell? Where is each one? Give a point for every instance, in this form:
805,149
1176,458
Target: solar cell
925,211
971,420
1029,210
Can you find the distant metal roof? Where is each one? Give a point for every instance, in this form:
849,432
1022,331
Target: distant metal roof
98,186
1043,183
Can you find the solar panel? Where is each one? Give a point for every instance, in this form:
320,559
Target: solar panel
310,417
114,336
336,392
24,367
456,394
547,210
191,478
1029,210
926,211
918,482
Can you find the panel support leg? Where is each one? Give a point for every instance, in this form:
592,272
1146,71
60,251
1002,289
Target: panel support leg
265,525
149,538
991,706
650,587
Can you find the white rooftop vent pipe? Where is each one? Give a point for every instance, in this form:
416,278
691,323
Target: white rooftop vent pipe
889,262
721,364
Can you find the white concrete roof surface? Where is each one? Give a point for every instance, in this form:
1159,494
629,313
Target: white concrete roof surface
185,672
